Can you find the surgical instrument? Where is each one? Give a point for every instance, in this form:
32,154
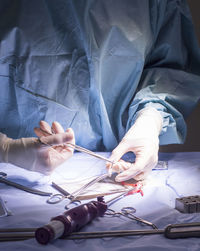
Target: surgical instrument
70,221
3,179
129,213
16,234
56,198
172,231
87,195
3,209
84,150
136,188
78,148
162,165
73,219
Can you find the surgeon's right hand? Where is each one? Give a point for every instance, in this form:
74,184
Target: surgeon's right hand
41,155
143,140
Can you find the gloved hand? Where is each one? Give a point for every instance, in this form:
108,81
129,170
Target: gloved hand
141,139
41,155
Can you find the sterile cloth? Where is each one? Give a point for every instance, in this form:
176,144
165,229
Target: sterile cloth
157,205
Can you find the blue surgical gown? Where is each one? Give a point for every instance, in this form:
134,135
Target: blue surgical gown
93,64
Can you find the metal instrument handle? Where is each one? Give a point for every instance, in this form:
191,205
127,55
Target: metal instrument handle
56,198
76,193
128,210
24,188
89,184
85,150
185,230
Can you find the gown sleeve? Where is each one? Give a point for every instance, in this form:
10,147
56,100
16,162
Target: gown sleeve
170,80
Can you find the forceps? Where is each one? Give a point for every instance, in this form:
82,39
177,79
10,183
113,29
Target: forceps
56,198
128,212
3,179
85,150
79,148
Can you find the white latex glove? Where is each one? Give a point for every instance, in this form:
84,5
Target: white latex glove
141,139
38,155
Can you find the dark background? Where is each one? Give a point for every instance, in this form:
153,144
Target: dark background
192,142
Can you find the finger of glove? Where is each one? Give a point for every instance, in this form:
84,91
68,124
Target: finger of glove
116,155
57,128
44,126
57,139
121,166
119,151
135,169
71,132
128,174
139,170
142,175
147,170
39,132
43,130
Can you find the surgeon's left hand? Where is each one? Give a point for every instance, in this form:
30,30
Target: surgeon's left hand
141,139
54,151
41,155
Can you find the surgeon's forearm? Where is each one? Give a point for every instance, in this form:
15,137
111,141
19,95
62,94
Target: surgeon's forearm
149,121
17,151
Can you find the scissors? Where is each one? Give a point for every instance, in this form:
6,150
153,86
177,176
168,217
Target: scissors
128,212
56,198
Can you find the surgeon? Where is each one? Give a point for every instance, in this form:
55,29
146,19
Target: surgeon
123,75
